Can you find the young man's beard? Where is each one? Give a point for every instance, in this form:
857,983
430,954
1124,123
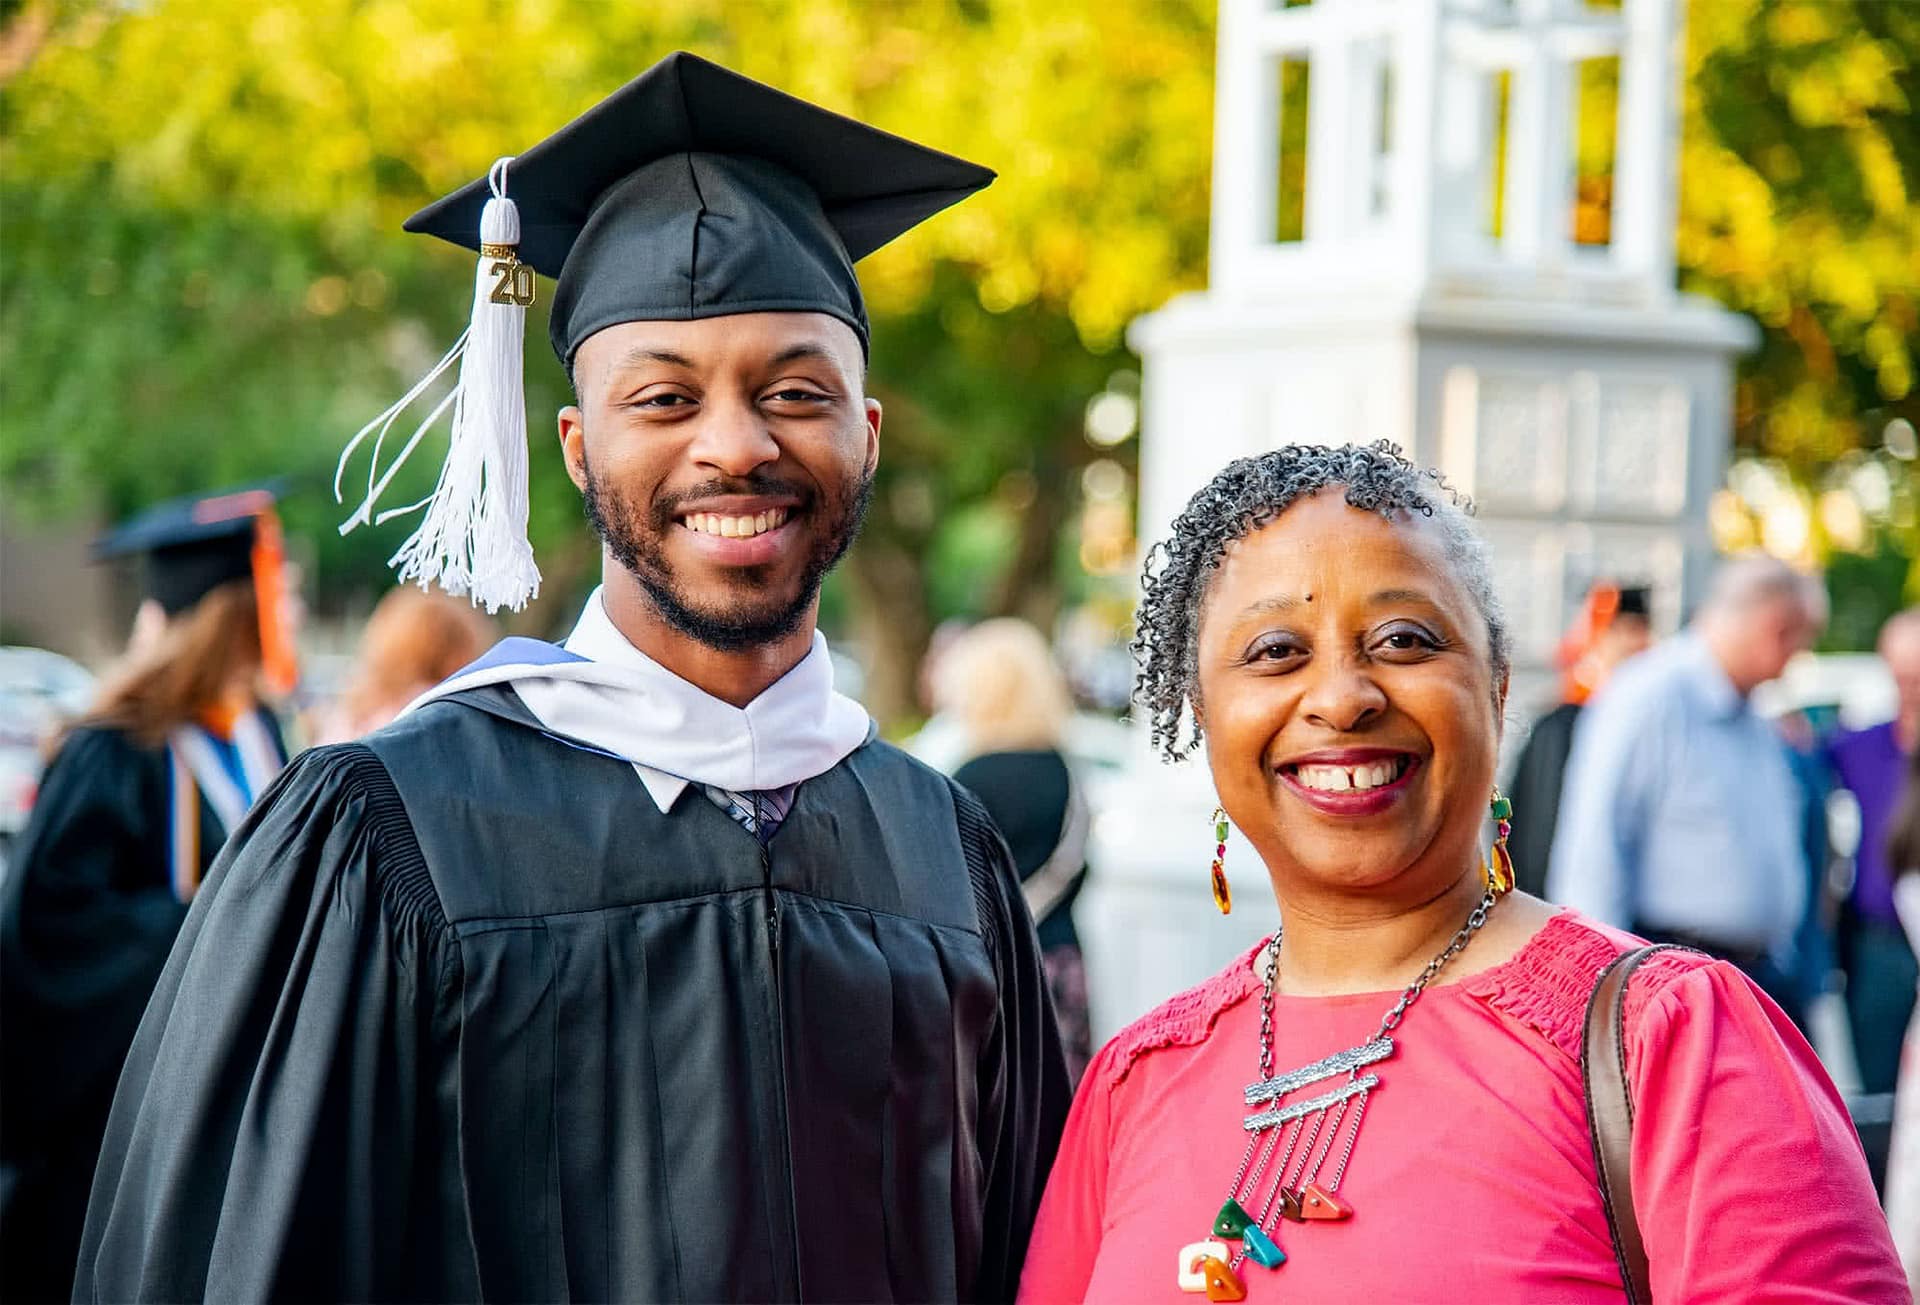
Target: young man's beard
742,619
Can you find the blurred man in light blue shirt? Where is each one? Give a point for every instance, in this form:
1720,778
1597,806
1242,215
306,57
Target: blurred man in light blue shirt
1681,819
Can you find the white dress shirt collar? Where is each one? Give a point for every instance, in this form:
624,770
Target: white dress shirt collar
797,728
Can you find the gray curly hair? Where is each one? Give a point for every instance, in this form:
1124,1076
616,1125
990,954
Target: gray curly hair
1250,493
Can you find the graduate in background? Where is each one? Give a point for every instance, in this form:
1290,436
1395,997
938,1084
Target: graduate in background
1614,624
414,639
633,968
1001,684
140,795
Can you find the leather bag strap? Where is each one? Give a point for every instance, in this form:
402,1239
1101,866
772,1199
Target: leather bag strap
1603,1074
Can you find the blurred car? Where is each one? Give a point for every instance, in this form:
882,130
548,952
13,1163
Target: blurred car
38,690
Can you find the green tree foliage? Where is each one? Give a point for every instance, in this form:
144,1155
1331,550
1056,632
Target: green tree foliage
202,279
1801,160
1800,204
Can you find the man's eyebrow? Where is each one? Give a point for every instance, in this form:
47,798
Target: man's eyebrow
635,357
805,349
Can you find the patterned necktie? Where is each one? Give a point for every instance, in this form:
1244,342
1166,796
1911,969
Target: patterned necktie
760,813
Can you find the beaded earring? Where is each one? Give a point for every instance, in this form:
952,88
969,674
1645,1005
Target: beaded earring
1499,871
1222,895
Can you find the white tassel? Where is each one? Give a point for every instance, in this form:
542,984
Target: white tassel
473,539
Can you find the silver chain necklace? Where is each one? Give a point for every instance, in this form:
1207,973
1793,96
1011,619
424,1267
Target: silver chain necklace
1289,1143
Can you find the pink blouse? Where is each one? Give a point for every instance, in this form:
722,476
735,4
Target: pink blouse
1473,1176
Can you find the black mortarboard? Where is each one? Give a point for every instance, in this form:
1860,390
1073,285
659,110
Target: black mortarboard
690,192
190,546
695,192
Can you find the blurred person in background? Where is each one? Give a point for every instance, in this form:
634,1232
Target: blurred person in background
940,741
1814,967
415,639
1614,624
1903,1153
141,793
1004,688
1681,817
1874,950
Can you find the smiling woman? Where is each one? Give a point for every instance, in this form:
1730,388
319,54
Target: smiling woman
1246,496
1322,621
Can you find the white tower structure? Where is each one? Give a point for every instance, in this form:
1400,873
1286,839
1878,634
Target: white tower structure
1395,254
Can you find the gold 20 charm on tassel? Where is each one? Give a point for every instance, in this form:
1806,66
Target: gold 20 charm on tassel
515,283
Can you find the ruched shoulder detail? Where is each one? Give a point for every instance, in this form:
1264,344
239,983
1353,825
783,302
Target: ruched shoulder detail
1183,1020
986,856
1546,984
356,773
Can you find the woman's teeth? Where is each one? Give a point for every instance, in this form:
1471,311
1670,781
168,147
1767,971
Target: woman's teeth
712,523
1342,779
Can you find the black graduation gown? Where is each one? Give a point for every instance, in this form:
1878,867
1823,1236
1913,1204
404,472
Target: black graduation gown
1538,777
462,1014
87,917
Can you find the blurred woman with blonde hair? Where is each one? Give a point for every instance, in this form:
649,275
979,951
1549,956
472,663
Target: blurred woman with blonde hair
141,794
1001,682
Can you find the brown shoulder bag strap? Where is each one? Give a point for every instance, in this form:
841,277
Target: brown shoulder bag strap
1603,1073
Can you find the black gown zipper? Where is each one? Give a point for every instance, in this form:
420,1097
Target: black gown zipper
780,1038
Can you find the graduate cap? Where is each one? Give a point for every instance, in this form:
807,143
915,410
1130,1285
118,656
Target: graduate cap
1606,601
191,546
691,192
1635,600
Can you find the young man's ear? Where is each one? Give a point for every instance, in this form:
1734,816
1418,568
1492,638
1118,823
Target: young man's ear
573,445
873,435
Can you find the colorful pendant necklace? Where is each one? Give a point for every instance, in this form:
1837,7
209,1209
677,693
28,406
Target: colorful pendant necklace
1290,1142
